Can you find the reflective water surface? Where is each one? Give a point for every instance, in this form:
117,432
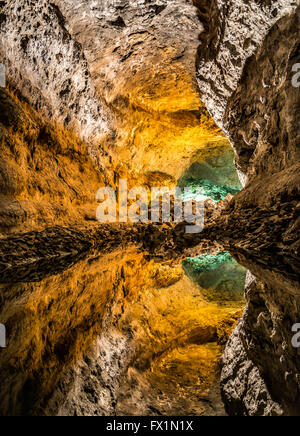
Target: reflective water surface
120,333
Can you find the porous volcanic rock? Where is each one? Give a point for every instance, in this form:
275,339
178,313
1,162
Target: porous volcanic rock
245,64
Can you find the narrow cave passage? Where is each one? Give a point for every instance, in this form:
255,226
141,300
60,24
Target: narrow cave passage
124,332
102,314
117,332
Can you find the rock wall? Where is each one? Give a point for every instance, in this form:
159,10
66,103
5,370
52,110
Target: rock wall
245,75
49,67
119,74
141,57
46,175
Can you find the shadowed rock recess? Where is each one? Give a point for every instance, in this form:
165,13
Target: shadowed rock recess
145,319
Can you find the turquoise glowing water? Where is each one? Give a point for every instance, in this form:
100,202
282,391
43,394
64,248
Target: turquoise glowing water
201,190
221,276
213,176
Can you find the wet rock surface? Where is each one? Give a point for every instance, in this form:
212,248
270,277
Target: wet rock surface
109,334
245,77
95,326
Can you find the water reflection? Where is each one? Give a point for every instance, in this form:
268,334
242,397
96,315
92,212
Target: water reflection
110,335
262,342
222,278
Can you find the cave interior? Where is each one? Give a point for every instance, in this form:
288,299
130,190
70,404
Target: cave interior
142,318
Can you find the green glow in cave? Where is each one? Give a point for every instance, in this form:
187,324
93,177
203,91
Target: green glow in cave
220,277
212,175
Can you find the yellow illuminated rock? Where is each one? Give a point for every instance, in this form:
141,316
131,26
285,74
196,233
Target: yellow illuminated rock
158,315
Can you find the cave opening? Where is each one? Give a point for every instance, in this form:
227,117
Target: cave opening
212,173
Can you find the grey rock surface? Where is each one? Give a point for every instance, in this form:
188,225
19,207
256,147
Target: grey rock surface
236,32
245,70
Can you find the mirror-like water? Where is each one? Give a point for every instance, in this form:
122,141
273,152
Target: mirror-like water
119,334
220,277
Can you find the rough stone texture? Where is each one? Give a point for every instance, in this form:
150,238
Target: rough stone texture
245,77
46,175
117,73
145,69
50,69
233,31
244,391
122,38
236,33
260,366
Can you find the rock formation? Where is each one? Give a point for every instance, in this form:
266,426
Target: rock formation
82,66
100,90
245,69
